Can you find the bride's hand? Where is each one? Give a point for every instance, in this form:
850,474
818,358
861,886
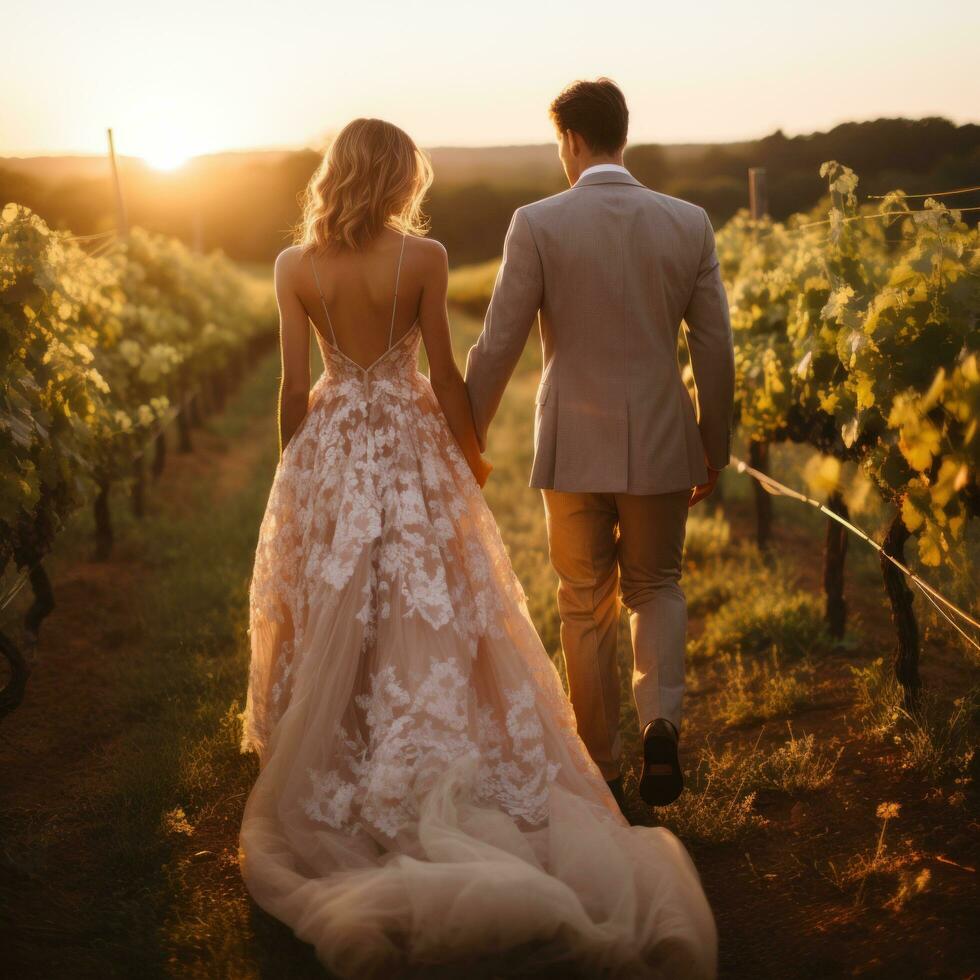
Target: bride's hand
481,470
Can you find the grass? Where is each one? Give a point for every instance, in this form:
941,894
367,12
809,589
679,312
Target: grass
877,697
757,690
713,809
707,536
196,625
470,286
881,861
187,686
799,765
719,804
937,740
768,621
736,571
760,634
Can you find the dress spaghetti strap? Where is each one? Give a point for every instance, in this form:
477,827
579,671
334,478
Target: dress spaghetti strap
394,304
326,312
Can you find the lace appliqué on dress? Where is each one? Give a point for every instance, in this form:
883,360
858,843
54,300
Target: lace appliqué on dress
374,475
412,739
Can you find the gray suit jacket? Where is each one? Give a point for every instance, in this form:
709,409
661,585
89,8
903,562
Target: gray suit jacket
610,269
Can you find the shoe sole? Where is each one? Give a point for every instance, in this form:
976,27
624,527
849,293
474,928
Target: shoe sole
660,789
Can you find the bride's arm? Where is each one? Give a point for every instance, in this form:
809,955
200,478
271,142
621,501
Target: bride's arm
444,374
294,343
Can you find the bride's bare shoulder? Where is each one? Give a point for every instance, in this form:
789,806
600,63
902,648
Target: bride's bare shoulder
432,254
288,260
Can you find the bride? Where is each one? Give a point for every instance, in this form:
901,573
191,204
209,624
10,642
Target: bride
423,798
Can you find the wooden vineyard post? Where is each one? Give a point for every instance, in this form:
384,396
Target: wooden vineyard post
758,450
43,603
758,193
122,219
835,551
903,613
14,685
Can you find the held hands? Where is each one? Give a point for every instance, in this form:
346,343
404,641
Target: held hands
481,470
703,489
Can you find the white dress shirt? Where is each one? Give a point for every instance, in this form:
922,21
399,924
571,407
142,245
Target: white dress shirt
598,168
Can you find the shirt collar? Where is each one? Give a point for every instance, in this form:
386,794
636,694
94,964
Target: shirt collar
598,168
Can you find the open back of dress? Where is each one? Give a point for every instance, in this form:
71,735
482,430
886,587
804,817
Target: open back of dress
394,310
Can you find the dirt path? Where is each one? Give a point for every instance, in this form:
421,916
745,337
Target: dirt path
60,752
122,785
779,912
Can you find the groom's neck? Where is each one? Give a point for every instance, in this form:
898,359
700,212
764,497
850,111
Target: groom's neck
593,160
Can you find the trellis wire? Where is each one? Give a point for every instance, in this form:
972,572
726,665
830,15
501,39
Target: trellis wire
780,489
958,190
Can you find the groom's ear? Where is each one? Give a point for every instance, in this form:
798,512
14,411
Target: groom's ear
576,143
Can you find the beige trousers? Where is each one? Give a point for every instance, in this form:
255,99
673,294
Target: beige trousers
611,550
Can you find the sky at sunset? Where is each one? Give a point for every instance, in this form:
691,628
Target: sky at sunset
178,78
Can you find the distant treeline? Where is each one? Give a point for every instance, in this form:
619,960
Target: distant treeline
246,203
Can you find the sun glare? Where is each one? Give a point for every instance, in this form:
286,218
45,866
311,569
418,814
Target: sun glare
166,157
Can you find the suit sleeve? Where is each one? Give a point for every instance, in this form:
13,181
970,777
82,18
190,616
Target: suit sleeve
709,339
514,305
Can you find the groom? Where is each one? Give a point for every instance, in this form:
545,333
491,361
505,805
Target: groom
609,269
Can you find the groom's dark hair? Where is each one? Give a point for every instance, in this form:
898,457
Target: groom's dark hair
596,111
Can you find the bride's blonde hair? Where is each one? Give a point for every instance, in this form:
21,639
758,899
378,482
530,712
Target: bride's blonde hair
373,176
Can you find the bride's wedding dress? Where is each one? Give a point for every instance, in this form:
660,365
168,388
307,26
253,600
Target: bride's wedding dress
423,797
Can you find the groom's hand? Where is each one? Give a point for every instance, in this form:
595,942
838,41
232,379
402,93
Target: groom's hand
703,489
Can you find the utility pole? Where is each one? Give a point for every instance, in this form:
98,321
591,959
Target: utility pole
758,194
122,222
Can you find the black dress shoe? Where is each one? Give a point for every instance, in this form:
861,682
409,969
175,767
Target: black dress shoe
662,780
619,794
